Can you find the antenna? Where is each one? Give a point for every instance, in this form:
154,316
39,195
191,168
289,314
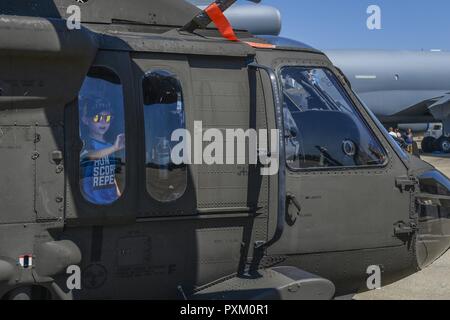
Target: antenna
202,20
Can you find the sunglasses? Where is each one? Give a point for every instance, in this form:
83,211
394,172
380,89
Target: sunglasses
99,117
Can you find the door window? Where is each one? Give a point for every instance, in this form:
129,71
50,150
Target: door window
163,114
102,127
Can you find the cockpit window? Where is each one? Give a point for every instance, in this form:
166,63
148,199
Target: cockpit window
102,158
163,114
399,150
323,128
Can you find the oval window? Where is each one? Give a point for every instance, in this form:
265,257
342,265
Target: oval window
163,114
102,128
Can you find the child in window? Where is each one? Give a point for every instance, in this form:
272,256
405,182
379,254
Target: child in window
98,166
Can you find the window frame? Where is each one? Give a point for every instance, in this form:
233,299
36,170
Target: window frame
176,76
357,110
125,150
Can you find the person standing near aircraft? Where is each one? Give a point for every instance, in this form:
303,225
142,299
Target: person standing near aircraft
409,139
392,132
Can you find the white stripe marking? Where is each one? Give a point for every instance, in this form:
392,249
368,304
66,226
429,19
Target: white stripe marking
365,77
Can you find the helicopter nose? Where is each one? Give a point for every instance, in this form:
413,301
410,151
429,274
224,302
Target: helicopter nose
433,208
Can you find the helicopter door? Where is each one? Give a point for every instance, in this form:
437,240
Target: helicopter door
341,173
173,102
215,210
165,185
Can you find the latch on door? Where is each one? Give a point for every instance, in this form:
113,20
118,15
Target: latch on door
407,184
402,229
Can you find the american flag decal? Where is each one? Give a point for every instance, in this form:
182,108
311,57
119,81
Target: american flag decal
26,261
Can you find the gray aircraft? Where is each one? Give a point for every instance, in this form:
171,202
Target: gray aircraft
402,87
95,206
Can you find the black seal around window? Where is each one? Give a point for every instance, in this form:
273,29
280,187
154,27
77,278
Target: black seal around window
163,115
102,128
323,129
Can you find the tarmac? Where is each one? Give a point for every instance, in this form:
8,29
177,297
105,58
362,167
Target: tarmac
431,283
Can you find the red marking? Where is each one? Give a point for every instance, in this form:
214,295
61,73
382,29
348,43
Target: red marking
221,22
260,45
225,28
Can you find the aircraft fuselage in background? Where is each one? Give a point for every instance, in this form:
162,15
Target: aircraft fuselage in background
399,86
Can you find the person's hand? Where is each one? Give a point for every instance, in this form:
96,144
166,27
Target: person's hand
120,142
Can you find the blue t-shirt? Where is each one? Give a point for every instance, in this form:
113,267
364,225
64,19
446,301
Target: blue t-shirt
98,177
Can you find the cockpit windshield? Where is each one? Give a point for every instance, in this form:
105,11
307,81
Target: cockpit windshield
323,127
313,89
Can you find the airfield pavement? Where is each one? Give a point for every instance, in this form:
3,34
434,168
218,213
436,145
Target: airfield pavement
432,283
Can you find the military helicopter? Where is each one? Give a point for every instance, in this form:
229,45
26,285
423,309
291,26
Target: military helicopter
86,118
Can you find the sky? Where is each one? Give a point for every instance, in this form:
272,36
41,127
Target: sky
342,24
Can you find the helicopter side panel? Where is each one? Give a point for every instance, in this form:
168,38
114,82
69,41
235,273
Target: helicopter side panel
17,148
157,251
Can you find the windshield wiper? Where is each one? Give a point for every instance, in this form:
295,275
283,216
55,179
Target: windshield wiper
327,156
300,108
327,97
313,91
